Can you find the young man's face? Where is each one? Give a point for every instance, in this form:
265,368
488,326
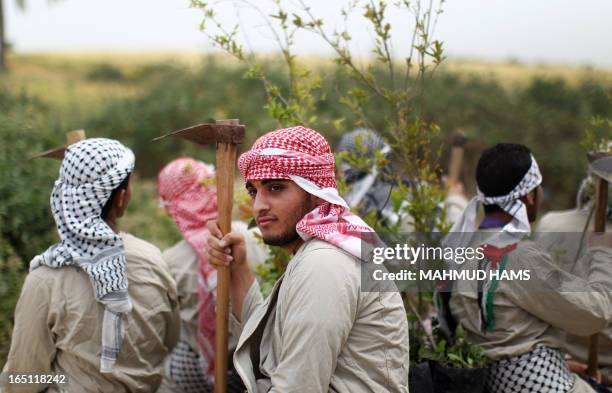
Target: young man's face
278,205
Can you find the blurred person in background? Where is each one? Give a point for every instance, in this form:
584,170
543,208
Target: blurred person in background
100,306
187,191
564,233
370,189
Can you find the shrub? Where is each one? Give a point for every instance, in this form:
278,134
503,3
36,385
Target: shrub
105,73
26,223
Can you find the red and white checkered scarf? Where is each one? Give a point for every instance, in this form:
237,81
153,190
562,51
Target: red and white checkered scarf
304,156
186,187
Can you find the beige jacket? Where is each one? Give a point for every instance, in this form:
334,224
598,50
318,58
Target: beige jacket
526,318
58,325
565,244
318,332
183,263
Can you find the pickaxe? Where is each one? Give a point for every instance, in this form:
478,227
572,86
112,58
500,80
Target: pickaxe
226,134
58,153
601,167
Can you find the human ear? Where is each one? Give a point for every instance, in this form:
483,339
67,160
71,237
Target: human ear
120,202
316,200
530,199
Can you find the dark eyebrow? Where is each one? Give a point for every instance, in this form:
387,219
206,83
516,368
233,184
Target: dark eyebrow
264,182
249,185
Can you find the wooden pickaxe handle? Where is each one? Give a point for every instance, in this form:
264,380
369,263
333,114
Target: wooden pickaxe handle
456,158
226,165
601,206
226,134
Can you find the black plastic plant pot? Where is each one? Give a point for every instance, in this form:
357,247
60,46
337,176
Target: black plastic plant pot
420,378
448,379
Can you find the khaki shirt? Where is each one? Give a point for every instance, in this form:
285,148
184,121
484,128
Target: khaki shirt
318,332
58,325
455,205
183,263
570,224
526,318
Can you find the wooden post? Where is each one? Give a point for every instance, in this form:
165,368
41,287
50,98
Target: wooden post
601,206
226,164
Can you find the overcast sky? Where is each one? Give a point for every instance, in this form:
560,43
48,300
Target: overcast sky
549,31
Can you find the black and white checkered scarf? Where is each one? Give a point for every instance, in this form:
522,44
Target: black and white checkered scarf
463,230
90,171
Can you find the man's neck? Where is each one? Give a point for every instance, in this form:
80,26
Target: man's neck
112,224
495,220
292,247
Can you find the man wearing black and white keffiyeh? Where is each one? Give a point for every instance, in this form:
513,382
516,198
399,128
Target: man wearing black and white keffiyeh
520,322
86,309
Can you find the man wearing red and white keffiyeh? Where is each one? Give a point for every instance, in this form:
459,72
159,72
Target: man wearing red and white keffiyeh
304,156
188,194
319,330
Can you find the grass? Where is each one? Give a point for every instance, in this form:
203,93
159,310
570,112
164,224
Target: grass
511,73
62,80
63,76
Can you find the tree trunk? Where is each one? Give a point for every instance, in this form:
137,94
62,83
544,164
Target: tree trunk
2,40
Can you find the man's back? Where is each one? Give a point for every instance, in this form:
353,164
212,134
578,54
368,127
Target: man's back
566,242
58,325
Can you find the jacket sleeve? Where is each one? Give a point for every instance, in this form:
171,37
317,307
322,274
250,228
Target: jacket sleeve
581,306
320,306
32,345
174,318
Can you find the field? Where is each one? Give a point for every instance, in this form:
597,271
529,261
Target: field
64,79
137,96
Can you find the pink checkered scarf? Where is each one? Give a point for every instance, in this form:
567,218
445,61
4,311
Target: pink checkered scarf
304,156
186,188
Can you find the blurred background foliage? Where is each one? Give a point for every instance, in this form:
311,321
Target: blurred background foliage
136,98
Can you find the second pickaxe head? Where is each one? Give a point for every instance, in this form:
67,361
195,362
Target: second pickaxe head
58,153
600,164
207,134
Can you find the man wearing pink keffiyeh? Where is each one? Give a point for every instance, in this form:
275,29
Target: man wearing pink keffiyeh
318,331
188,194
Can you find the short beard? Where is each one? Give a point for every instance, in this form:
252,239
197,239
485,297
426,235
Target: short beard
291,234
282,239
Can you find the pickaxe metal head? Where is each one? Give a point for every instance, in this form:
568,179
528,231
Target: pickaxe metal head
58,153
207,134
601,165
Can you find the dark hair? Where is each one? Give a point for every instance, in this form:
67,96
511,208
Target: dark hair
500,168
109,202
